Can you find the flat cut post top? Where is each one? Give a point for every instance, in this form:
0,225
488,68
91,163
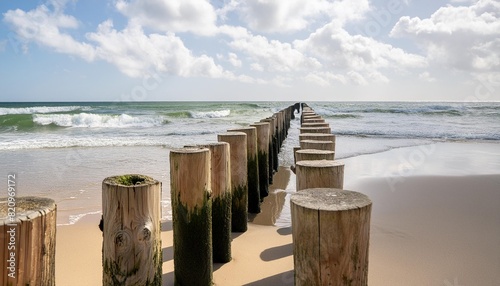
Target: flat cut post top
26,207
329,199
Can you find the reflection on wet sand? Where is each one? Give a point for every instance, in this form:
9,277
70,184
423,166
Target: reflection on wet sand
273,204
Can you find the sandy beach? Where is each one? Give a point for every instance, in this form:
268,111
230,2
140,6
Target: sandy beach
430,225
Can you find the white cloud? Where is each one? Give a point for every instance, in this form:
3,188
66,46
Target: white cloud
195,16
362,57
269,55
426,76
234,60
44,27
325,78
463,37
294,15
136,53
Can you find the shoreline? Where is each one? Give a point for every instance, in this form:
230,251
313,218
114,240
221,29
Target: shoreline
439,223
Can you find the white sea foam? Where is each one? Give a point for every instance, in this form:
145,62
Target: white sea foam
40,109
72,219
211,114
96,120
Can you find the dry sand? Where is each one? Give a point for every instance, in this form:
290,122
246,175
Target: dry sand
440,229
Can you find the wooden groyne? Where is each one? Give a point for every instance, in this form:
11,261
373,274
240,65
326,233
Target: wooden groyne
214,187
330,226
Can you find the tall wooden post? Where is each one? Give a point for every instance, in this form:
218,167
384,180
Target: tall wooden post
312,154
270,167
131,248
317,144
315,124
192,216
263,157
239,178
28,226
331,234
317,136
319,174
253,168
221,200
327,130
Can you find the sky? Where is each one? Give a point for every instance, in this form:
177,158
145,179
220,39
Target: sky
252,50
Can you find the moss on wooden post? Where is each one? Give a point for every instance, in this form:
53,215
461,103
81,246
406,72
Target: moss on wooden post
131,249
221,200
253,168
192,216
263,156
28,250
270,167
239,178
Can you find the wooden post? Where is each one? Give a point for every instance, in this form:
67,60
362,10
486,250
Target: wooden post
311,155
276,148
131,248
263,157
270,167
221,200
192,216
317,144
313,120
317,136
239,178
319,174
331,233
253,168
327,130
295,149
315,124
28,226
279,116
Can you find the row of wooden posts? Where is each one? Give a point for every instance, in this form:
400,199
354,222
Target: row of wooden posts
330,226
213,188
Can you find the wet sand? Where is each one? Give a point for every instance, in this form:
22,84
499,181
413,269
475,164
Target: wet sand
436,223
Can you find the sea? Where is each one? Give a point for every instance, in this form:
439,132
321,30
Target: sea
64,150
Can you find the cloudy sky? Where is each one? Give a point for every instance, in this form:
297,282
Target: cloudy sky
92,50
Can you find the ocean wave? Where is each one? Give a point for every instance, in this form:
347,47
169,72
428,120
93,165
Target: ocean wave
40,109
210,114
90,120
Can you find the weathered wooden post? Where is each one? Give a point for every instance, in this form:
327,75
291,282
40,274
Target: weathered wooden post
313,120
131,247
279,117
253,168
270,167
239,178
319,174
312,154
276,148
317,144
331,233
28,247
263,157
221,200
192,216
315,124
317,136
327,130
